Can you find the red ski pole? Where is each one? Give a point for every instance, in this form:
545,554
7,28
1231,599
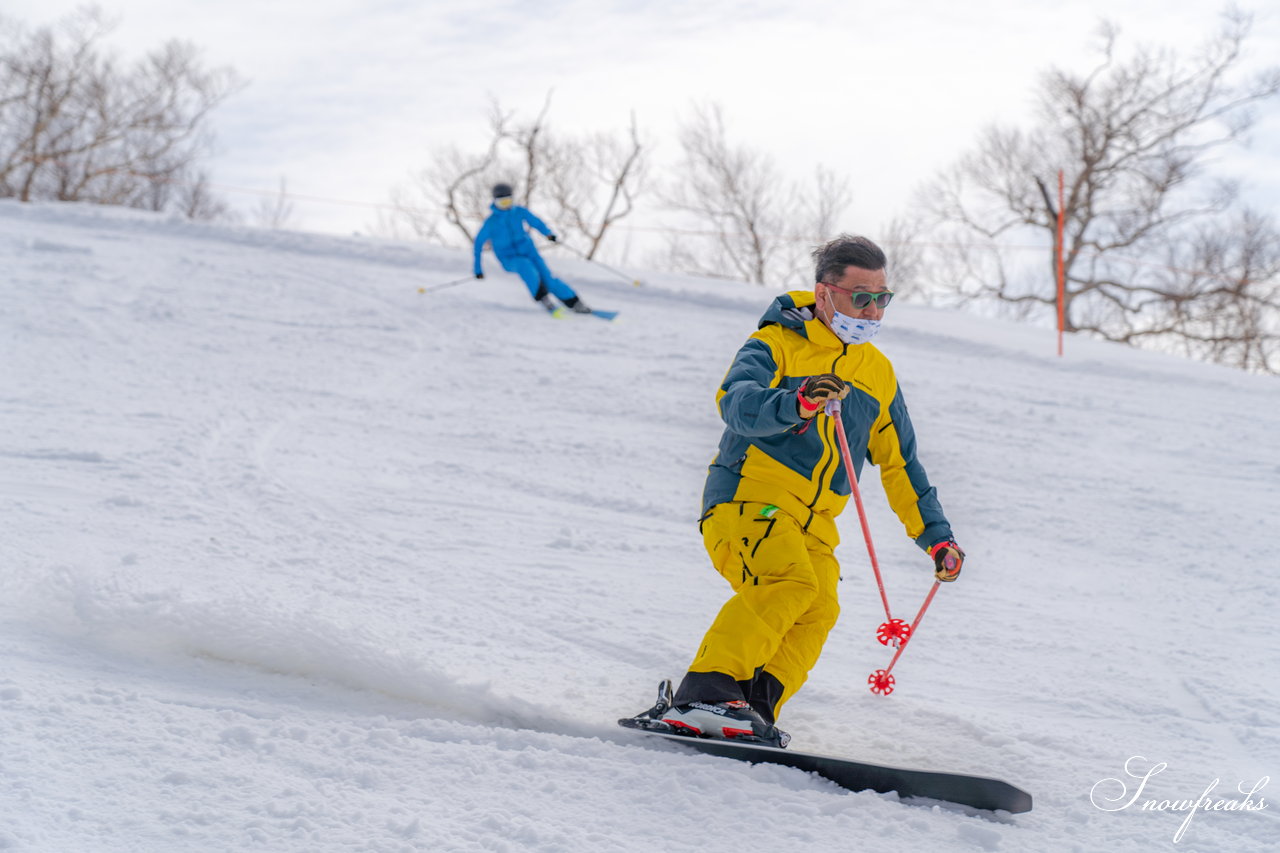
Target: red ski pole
882,680
894,630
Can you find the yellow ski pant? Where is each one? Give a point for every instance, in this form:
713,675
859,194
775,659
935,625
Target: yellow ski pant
784,596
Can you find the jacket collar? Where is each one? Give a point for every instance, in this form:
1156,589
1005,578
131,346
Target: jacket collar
795,310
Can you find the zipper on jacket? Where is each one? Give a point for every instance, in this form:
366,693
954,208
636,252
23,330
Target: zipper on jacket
826,446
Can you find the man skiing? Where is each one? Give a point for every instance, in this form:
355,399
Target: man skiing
775,488
505,228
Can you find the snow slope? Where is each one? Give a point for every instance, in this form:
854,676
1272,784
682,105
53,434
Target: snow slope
296,558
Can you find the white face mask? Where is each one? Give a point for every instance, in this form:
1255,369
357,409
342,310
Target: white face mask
851,330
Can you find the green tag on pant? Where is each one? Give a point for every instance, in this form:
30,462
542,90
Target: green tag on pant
768,511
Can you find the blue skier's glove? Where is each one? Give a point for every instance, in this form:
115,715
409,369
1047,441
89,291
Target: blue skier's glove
479,275
947,560
551,237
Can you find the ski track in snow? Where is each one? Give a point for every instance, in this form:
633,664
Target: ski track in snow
299,559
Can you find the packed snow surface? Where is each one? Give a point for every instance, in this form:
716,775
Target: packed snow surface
297,558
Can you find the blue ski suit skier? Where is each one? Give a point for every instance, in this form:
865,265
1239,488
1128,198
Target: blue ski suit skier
778,483
506,230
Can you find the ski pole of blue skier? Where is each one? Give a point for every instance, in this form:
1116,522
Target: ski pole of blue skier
892,631
453,283
621,275
881,681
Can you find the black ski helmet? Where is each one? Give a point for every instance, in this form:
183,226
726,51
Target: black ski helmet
502,191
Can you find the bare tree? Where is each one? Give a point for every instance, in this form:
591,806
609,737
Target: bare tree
735,191
1133,136
454,187
590,182
531,143
193,198
822,205
594,182
77,126
752,223
1221,294
821,210
453,190
187,192
907,271
275,211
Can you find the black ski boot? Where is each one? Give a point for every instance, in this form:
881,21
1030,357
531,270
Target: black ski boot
733,720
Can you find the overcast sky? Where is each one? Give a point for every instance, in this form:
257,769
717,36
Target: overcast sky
346,98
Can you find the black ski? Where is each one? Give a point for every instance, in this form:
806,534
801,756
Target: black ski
978,792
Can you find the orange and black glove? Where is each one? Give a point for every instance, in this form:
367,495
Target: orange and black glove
947,560
815,391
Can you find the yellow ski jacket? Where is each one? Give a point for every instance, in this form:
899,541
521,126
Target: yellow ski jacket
768,453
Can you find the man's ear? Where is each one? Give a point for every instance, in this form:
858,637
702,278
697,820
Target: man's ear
819,292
